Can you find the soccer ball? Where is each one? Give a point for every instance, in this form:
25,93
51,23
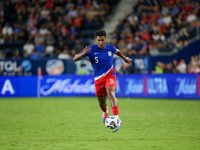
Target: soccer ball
111,122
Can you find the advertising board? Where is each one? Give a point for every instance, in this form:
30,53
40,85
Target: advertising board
150,86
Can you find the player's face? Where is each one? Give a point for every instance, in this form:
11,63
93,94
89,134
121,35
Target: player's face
101,41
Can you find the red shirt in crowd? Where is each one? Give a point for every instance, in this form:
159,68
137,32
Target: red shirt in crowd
187,8
146,36
49,4
77,22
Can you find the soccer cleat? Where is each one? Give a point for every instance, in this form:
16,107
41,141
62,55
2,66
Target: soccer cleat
117,128
105,115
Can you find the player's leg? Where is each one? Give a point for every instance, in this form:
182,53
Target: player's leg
101,96
103,106
111,87
113,100
102,102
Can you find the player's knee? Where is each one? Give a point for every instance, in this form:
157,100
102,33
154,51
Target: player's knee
111,93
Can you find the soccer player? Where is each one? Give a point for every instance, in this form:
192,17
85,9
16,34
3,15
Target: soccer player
101,58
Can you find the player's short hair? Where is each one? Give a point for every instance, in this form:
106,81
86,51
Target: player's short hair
100,32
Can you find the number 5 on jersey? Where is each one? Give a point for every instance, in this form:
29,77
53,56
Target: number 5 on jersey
96,59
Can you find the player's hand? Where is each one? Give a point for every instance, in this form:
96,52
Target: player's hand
86,50
128,60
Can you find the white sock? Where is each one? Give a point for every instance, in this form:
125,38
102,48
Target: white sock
117,116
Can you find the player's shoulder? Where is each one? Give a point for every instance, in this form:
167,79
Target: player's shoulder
110,46
93,47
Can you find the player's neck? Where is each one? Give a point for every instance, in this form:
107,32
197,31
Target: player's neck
102,47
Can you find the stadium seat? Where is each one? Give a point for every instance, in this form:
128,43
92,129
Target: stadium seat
96,25
87,25
84,42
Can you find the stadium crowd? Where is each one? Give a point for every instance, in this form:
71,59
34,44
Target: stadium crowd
157,26
60,28
49,28
179,66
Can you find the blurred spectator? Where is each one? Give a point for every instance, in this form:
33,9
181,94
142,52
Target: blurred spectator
7,30
72,53
174,65
78,46
187,7
58,5
72,13
95,4
35,55
72,32
164,10
49,39
167,20
153,50
172,37
20,6
168,68
193,62
31,21
49,23
2,21
39,39
175,10
194,65
159,68
189,69
133,19
198,61
28,48
64,54
181,67
78,21
17,29
83,70
1,11
88,5
16,55
191,17
64,31
79,4
20,72
59,48
183,35
196,69
121,44
33,32
126,69
43,30
49,4
20,21
44,13
49,51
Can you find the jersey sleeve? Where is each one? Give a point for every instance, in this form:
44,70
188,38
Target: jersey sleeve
114,49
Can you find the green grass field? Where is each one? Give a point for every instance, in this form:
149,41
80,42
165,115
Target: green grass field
75,124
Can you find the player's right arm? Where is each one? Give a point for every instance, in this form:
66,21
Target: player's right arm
80,55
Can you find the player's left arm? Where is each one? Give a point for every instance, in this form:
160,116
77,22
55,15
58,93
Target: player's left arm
120,54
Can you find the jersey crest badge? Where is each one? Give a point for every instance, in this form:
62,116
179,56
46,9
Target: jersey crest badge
109,53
